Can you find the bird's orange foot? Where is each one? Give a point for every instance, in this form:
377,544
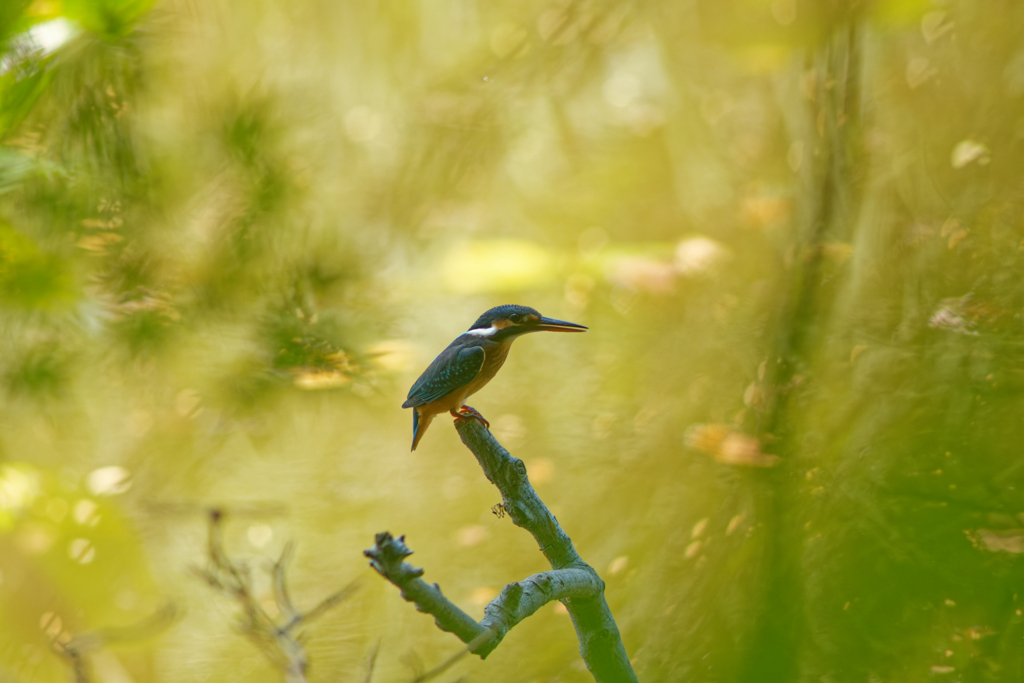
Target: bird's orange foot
467,413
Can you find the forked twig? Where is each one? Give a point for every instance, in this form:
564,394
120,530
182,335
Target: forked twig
570,580
276,638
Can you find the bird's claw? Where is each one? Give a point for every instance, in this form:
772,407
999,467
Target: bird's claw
468,413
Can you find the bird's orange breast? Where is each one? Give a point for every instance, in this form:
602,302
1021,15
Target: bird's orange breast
494,358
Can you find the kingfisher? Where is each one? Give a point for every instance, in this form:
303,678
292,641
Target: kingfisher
470,362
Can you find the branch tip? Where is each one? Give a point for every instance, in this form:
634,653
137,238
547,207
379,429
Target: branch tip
387,557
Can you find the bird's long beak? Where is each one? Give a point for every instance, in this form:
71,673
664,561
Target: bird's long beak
552,325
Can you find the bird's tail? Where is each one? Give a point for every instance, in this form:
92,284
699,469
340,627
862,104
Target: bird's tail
419,426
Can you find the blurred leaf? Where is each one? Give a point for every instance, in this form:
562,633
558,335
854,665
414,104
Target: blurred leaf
310,353
43,371
14,167
899,11
11,12
146,320
109,18
19,92
29,277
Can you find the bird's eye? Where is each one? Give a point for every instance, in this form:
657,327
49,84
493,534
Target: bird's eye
516,318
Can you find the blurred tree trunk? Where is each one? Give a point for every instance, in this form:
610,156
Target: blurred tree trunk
827,157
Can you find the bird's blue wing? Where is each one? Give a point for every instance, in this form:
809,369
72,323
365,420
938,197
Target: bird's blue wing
456,367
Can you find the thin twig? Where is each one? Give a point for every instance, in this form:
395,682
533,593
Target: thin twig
74,648
371,662
448,663
284,601
274,637
327,603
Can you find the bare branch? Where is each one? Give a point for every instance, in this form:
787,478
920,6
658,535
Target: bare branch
274,638
73,648
371,662
571,580
519,500
598,635
447,664
516,602
141,630
75,659
284,601
387,557
521,599
326,604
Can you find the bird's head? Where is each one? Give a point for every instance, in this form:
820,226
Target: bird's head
510,321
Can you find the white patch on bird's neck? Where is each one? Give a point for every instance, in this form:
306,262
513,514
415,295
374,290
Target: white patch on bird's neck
485,332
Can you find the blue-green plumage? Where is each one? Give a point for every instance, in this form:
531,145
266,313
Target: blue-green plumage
455,367
415,427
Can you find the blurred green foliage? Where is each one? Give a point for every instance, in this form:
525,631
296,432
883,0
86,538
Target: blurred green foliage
232,234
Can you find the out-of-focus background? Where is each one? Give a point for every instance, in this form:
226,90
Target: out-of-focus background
232,234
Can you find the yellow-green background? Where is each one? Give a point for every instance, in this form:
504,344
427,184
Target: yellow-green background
233,233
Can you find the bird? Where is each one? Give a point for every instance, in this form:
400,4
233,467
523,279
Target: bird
470,362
